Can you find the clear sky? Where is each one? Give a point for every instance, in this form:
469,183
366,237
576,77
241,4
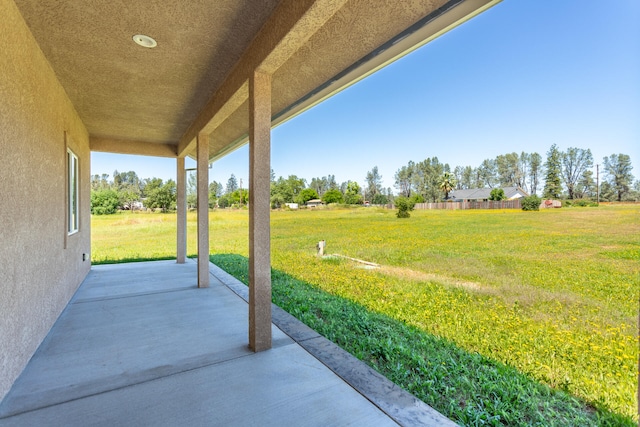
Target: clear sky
520,77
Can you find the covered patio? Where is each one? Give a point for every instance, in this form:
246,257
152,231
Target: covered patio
196,79
139,344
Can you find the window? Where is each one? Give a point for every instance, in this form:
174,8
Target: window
72,200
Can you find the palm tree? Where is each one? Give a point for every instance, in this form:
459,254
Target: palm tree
447,183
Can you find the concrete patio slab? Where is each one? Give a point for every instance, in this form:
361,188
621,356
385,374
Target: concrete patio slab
139,344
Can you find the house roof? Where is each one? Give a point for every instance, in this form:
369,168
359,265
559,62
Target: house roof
155,101
485,193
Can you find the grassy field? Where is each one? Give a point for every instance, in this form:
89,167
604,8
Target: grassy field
550,297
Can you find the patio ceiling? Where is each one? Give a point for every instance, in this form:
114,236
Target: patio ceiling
155,101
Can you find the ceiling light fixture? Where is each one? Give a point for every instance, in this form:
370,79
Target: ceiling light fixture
145,41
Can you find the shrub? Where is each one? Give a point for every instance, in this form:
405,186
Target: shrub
104,202
417,198
497,194
404,205
581,203
531,203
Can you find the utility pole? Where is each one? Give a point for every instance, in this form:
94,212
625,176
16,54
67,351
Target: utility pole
598,184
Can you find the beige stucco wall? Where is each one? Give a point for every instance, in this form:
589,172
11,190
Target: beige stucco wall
38,275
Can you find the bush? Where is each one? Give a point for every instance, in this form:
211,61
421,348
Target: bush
531,203
417,198
497,194
582,203
104,202
404,205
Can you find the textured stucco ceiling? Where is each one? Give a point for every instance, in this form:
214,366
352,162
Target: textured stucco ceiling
196,77
124,91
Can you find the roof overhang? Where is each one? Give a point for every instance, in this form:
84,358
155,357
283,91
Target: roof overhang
136,100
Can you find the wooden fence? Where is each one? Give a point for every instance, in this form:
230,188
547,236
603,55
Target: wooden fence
503,204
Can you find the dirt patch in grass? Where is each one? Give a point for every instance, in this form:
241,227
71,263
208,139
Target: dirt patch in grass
420,276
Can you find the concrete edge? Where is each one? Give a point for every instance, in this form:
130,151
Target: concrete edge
400,405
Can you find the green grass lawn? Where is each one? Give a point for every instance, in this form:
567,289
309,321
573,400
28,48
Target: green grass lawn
547,297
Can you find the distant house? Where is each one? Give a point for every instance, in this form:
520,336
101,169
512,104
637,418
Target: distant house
482,194
313,203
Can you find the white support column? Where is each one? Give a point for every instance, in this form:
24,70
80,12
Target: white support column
181,205
259,211
203,210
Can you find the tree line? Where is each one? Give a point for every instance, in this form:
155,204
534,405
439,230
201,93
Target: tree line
561,175
294,189
126,191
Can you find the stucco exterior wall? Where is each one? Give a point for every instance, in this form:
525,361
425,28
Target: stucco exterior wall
38,275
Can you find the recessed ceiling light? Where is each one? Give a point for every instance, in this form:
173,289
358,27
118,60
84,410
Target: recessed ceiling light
145,41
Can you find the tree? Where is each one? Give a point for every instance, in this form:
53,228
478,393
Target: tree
634,193
618,168
497,194
457,174
466,178
286,190
331,182
404,205
163,197
306,195
352,195
100,182
523,169
332,196
447,183
126,179
507,169
277,201
535,169
319,185
426,176
128,196
552,185
374,182
323,184
380,199
238,197
607,192
232,184
403,179
215,191
149,185
487,174
417,198
129,188
574,163
192,190
586,186
224,201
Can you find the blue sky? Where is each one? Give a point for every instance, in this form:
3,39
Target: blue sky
522,76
